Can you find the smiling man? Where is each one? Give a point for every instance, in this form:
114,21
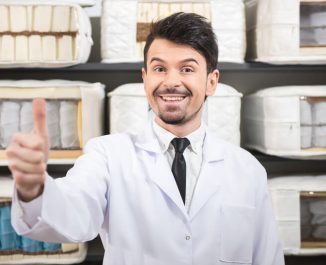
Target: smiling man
174,194
176,83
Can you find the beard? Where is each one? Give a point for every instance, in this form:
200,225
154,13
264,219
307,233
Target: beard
173,118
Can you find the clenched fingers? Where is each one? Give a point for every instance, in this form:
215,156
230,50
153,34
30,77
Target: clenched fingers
27,180
29,140
32,168
16,151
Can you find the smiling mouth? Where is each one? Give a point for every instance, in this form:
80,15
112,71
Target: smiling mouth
172,98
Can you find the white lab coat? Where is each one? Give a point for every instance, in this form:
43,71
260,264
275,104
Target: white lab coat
123,188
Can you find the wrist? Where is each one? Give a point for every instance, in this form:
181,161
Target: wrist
29,194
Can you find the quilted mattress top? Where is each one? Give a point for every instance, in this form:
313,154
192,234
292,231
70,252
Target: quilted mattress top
282,91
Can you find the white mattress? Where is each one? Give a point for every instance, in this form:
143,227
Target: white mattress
120,17
39,33
283,32
71,253
294,215
69,127
129,110
286,121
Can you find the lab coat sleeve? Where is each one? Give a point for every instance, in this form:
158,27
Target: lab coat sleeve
267,247
73,207
30,210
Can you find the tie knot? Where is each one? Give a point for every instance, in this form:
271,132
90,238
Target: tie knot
180,144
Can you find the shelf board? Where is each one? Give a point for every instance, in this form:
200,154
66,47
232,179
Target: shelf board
271,158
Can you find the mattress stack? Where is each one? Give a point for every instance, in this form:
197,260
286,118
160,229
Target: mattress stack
286,121
74,113
125,26
290,31
62,121
299,204
129,111
43,33
15,249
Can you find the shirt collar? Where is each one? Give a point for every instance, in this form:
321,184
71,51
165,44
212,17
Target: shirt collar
165,137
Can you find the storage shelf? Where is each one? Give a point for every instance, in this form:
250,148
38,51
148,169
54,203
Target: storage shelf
246,77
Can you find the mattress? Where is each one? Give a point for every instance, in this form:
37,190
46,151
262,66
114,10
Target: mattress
286,121
125,25
74,114
299,204
290,32
15,249
129,111
39,33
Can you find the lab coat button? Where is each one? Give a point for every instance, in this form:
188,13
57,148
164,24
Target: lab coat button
188,237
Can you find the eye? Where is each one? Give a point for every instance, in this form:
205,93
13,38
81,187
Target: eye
187,70
159,69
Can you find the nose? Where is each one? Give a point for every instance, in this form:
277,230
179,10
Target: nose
172,79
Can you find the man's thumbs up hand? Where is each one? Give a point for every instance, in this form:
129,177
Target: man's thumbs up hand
39,117
28,153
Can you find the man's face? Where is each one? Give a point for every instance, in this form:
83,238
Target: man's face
176,82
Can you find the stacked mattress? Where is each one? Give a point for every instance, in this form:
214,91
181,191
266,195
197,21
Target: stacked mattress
299,204
15,249
291,31
125,25
286,121
129,111
74,113
43,33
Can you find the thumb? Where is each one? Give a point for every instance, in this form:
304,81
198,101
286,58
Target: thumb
39,117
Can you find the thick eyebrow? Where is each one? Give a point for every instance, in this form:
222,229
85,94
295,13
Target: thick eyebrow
157,59
183,61
190,60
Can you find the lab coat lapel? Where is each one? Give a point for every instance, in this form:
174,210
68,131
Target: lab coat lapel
160,171
209,179
163,177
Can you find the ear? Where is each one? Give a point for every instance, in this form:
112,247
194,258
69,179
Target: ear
143,74
212,81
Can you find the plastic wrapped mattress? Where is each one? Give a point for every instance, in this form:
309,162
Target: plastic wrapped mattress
129,110
39,33
125,25
74,113
292,31
286,121
15,249
299,204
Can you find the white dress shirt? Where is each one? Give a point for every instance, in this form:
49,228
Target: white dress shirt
193,155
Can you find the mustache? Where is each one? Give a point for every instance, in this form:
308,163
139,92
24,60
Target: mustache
171,90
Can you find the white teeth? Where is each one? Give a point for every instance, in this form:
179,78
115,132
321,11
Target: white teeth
172,98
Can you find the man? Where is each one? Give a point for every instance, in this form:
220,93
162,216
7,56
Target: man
123,187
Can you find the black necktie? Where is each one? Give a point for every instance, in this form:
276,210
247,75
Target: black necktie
179,164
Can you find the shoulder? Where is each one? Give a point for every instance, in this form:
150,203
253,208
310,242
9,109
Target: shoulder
241,168
238,156
111,142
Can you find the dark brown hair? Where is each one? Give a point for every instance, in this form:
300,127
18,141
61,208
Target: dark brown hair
188,29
